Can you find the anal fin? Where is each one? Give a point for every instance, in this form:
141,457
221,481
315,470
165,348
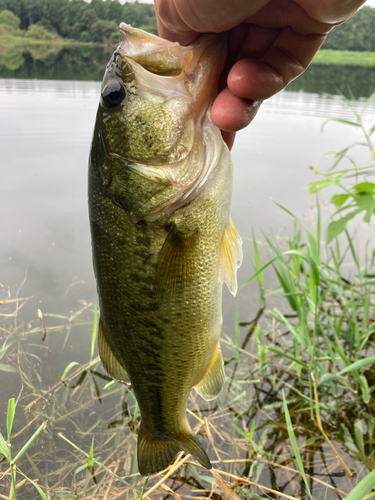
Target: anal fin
230,256
109,360
212,382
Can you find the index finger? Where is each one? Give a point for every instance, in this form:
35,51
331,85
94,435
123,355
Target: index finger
182,20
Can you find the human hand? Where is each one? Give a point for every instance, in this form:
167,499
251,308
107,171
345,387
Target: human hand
270,43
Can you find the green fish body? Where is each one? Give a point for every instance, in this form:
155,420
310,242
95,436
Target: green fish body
160,181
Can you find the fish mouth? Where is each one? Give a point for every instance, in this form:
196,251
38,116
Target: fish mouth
155,54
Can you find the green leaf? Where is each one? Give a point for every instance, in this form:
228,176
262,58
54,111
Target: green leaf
363,487
68,368
366,202
328,377
90,460
358,364
313,247
4,448
340,120
339,199
30,442
237,329
365,389
295,446
337,227
315,187
40,491
365,187
10,416
8,368
313,269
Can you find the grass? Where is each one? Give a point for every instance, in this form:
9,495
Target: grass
296,419
344,58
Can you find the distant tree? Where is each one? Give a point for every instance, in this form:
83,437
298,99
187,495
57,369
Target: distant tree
87,19
70,18
104,31
358,33
37,32
9,20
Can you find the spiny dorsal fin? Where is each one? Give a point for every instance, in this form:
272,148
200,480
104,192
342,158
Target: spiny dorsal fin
212,382
230,256
177,263
110,363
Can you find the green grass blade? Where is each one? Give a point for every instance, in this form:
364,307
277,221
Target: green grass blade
358,364
363,487
4,448
30,442
90,459
8,368
36,486
68,368
10,416
237,329
260,275
295,446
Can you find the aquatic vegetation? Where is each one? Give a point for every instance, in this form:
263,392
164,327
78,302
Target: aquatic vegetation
296,416
356,197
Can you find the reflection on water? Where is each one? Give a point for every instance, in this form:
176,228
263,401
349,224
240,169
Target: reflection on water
85,62
348,80
45,135
51,61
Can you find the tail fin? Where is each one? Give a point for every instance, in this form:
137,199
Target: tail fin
154,455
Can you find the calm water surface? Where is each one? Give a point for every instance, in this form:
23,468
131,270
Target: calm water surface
45,255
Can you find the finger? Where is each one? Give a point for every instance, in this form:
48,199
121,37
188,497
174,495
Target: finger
228,138
231,113
331,11
283,13
287,58
170,25
257,41
181,20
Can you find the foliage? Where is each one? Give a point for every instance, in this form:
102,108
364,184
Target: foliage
10,21
356,34
357,198
104,31
6,451
345,58
37,32
71,18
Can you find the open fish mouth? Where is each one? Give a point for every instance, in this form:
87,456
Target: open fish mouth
157,55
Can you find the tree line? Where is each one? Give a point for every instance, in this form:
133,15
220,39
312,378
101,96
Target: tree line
98,21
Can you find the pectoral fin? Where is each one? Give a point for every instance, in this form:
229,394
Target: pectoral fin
110,363
230,256
212,382
177,263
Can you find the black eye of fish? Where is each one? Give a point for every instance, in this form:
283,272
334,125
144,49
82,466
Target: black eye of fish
113,94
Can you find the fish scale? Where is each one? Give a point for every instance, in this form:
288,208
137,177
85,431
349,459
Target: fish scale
162,246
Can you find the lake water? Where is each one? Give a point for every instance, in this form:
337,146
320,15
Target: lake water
45,257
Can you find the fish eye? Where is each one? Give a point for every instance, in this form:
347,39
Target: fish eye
113,94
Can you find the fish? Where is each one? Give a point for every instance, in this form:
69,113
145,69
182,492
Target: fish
163,242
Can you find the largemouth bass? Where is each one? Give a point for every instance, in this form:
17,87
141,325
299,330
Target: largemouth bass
160,186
